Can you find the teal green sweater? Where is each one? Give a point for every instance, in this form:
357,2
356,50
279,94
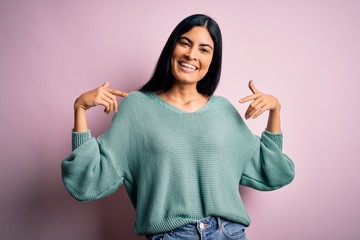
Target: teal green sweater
177,167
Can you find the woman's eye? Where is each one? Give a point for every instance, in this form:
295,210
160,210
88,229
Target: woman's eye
183,43
204,50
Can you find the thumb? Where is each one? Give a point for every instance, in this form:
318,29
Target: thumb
252,87
106,84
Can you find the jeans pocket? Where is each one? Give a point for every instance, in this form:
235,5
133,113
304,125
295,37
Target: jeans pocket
158,236
183,234
233,230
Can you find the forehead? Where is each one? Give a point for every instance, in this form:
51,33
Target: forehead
199,35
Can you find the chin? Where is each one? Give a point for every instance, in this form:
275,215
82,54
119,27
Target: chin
187,80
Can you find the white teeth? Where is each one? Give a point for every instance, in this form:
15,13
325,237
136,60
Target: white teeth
187,65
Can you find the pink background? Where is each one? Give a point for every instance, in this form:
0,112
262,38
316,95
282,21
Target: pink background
304,52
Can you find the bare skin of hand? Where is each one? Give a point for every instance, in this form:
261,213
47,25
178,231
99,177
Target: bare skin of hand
103,95
261,102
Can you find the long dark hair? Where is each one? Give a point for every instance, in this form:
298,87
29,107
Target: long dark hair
163,78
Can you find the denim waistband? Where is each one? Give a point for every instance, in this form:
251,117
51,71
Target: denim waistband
206,228
202,225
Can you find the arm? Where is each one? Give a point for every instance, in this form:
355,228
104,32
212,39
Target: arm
98,166
269,168
80,122
273,124
92,170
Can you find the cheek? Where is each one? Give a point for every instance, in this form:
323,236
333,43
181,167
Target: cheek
176,52
174,58
207,63
173,63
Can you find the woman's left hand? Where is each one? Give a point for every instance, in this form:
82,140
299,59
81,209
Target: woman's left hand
261,102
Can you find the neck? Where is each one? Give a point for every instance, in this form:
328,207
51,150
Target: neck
184,97
183,93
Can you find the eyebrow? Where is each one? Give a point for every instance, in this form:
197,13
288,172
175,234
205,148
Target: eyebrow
201,44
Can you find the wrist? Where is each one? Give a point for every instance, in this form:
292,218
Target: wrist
80,123
78,106
277,108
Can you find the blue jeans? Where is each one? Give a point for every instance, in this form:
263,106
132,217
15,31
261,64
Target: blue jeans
214,228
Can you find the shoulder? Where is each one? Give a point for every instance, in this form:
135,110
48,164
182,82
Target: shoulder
220,99
135,98
136,102
137,95
227,109
132,106
223,103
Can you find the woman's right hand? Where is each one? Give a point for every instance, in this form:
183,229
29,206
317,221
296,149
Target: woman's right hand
103,95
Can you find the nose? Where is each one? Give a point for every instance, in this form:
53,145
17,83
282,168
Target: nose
191,54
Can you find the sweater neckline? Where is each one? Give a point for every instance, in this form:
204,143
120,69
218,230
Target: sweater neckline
178,110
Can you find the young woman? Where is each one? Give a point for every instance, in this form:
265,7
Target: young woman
180,151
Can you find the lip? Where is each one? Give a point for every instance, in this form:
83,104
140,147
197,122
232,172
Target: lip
187,69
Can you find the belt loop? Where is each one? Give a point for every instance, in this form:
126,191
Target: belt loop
219,222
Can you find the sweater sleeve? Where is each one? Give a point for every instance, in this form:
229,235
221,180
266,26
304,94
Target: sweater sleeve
98,166
269,168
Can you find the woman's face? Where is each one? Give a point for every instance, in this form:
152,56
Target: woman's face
192,55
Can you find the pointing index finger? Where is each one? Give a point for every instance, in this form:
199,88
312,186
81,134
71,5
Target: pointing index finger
249,98
252,87
117,92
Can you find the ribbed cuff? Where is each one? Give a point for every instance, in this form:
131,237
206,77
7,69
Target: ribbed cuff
79,138
277,138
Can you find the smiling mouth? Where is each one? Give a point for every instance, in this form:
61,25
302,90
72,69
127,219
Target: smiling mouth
187,66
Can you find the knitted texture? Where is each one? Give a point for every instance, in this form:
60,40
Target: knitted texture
177,167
